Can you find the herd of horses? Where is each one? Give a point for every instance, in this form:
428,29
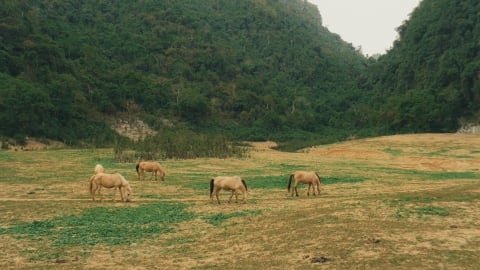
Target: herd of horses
235,184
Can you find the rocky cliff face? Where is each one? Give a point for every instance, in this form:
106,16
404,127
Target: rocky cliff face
471,128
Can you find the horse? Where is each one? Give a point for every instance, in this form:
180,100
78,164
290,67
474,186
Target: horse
310,178
98,169
150,166
115,181
233,183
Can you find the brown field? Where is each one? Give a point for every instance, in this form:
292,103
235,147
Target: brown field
396,202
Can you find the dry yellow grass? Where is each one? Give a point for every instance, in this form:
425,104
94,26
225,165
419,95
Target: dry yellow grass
392,219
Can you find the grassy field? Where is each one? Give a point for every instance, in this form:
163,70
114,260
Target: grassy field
398,202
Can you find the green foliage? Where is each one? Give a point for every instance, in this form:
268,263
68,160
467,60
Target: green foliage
180,144
429,80
256,66
120,226
251,70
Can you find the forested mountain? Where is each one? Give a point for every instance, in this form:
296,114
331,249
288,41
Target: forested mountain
250,69
430,79
255,67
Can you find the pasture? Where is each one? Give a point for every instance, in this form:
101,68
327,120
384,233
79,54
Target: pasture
397,202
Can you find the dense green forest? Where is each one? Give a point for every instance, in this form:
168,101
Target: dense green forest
430,79
251,70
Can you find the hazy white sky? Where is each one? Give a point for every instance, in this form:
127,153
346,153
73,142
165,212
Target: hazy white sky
370,24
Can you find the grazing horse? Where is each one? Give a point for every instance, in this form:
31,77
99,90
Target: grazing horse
98,169
310,178
115,181
150,166
233,183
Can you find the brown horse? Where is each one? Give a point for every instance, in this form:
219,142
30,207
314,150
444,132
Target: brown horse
233,183
310,178
98,169
115,181
150,166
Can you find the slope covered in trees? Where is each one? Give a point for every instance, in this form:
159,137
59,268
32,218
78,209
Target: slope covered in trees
430,79
254,67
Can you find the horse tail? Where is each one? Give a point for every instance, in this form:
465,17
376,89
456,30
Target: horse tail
211,187
244,184
138,165
290,181
318,177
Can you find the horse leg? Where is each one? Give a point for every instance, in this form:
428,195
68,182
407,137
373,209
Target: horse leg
296,189
217,190
94,189
122,191
308,190
114,191
231,196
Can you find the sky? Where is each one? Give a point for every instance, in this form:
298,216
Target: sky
370,24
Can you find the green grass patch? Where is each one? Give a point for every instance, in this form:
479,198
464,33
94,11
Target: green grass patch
268,182
107,226
402,211
432,211
219,218
430,175
393,151
341,180
6,156
450,175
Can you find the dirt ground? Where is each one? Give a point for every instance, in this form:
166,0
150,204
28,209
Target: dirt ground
365,225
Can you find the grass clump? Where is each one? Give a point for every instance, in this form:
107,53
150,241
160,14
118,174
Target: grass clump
219,218
104,225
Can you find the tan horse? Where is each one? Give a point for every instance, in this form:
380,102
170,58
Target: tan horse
115,181
150,166
233,183
98,169
310,178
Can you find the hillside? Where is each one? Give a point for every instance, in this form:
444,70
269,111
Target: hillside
247,68
430,79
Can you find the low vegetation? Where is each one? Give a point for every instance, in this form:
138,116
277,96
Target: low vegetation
372,212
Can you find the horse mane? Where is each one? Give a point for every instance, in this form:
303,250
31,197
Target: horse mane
318,177
290,181
211,187
244,184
